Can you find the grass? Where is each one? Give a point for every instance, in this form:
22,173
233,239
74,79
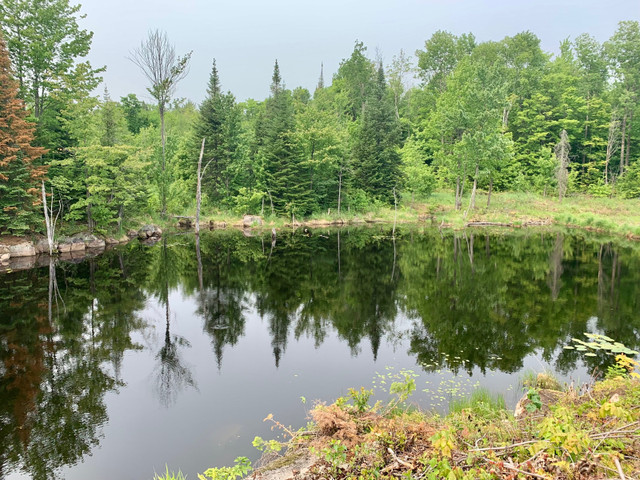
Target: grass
169,475
610,215
613,215
480,401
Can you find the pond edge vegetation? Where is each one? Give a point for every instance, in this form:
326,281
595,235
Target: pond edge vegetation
556,432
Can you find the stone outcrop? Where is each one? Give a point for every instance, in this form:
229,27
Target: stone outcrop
251,221
23,249
148,232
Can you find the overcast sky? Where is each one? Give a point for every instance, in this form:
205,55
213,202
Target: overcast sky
246,36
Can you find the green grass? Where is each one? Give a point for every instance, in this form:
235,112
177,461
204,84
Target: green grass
480,401
169,475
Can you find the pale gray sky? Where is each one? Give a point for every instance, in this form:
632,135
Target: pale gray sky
246,36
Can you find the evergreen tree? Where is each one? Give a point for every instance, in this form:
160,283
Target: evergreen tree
376,161
285,180
218,124
20,174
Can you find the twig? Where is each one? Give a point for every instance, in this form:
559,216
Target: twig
507,447
619,468
516,469
401,462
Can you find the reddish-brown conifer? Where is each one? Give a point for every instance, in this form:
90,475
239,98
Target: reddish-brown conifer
20,174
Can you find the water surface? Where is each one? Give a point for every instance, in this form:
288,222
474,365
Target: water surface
174,353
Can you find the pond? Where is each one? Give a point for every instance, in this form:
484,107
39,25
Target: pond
174,353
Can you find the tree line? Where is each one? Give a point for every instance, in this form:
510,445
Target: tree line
461,115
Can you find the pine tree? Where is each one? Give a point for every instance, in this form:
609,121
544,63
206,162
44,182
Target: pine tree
20,175
376,161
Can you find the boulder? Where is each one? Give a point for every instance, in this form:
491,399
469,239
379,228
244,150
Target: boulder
251,220
4,257
42,246
22,249
115,241
91,241
149,231
185,222
73,244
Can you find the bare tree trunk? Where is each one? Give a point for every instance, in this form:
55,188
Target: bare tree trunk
339,190
490,190
199,189
47,219
612,146
626,160
163,188
562,156
271,201
472,199
458,194
624,132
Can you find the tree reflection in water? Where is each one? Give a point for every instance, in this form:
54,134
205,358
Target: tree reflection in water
463,301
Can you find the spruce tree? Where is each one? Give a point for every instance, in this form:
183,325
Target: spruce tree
376,161
217,123
20,174
286,182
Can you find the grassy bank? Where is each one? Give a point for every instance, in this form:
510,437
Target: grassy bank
613,215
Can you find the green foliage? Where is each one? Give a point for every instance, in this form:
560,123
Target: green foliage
360,398
241,468
535,403
628,186
169,475
273,446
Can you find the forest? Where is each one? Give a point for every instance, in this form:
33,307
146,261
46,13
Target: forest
460,115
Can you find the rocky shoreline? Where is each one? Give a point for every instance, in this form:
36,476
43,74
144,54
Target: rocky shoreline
18,253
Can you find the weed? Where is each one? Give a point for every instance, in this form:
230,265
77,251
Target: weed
241,468
535,403
169,475
481,401
360,398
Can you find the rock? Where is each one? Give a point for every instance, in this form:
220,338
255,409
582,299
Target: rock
149,231
73,244
185,222
4,249
251,220
111,241
42,246
23,249
132,234
94,242
4,257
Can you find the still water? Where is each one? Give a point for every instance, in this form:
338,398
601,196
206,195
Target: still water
174,353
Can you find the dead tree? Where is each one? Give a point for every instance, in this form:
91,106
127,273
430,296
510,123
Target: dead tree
613,143
562,169
49,221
